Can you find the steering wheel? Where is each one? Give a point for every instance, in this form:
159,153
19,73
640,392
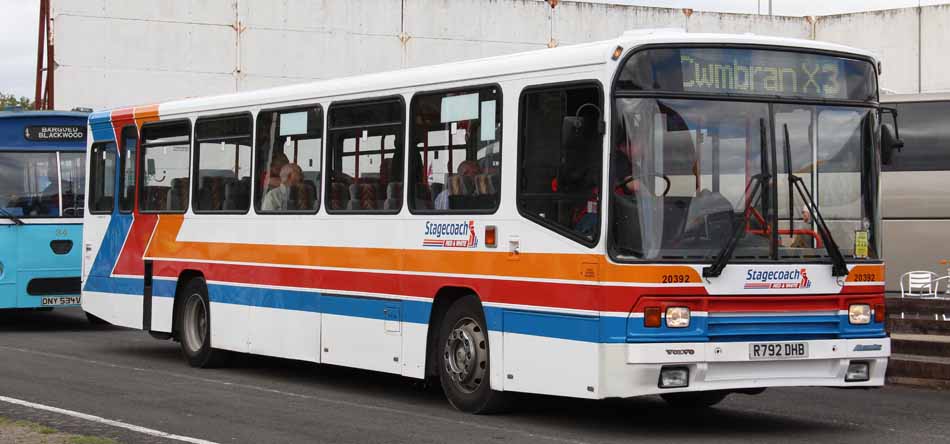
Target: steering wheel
666,190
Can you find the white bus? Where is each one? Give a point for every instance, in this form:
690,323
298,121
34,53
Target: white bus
689,215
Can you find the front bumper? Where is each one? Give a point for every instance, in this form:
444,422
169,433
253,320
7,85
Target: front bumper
634,369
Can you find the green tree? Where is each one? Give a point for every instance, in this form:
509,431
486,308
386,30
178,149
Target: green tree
10,100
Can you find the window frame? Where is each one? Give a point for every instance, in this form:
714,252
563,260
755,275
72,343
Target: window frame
122,162
546,223
141,168
195,159
92,171
255,203
500,115
328,155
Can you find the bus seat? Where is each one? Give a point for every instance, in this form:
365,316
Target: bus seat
626,225
177,198
484,185
425,196
339,196
236,194
393,196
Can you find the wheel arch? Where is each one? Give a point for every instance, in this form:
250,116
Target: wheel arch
183,278
444,299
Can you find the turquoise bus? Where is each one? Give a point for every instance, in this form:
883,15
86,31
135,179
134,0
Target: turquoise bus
42,196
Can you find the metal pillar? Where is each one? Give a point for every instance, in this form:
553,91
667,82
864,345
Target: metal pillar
43,98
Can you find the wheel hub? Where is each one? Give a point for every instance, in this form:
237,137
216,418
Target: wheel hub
466,355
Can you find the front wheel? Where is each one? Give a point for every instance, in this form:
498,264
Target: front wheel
195,327
694,400
464,364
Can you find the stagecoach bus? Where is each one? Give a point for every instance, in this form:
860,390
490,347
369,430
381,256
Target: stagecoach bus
916,205
42,184
689,215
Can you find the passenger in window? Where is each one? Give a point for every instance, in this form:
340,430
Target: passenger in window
272,175
803,240
468,168
278,199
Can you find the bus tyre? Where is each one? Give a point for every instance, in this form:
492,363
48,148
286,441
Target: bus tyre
463,359
95,320
694,400
195,326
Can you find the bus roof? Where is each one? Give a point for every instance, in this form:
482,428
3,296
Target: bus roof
14,124
431,77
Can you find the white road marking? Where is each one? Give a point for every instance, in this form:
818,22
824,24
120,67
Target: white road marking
101,420
526,433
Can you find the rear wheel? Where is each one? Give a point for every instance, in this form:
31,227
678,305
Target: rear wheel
195,327
694,400
464,364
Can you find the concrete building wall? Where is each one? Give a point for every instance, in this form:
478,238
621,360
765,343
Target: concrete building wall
117,52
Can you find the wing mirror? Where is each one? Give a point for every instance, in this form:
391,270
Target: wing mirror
890,139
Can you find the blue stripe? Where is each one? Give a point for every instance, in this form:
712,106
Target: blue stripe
595,329
101,123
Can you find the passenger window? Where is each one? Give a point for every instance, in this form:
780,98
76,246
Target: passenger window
102,172
365,156
455,154
223,159
130,138
164,173
289,158
560,159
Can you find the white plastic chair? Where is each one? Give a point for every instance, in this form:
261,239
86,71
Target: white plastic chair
920,284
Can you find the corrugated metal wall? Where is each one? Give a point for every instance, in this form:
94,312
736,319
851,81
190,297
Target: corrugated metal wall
118,52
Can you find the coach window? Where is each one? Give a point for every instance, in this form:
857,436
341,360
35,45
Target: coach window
72,175
289,158
102,174
222,164
455,154
925,129
365,156
163,174
130,138
559,159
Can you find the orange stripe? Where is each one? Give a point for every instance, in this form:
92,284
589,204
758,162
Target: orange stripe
866,273
584,267
145,114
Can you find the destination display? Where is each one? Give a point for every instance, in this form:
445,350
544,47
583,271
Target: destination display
732,71
47,133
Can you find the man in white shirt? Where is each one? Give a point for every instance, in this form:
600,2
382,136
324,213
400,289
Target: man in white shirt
278,199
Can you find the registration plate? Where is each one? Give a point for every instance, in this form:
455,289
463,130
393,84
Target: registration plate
63,300
778,350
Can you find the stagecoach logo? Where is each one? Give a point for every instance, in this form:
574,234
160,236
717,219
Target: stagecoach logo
450,235
43,133
776,279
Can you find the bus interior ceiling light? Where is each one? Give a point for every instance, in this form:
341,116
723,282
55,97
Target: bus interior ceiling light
675,377
677,317
858,371
859,314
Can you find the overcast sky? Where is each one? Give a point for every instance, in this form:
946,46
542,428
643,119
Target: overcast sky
19,19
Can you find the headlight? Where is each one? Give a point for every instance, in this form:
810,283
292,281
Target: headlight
859,314
677,317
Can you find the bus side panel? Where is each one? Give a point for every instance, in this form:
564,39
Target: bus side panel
551,354
8,262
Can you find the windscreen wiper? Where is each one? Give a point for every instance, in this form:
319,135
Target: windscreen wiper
839,267
8,215
752,199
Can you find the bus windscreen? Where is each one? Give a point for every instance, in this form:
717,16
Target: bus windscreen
743,71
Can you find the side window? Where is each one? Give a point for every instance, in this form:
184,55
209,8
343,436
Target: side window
925,129
163,174
222,164
365,156
102,182
560,159
289,159
455,150
130,140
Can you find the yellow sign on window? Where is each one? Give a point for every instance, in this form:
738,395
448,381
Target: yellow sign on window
861,244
